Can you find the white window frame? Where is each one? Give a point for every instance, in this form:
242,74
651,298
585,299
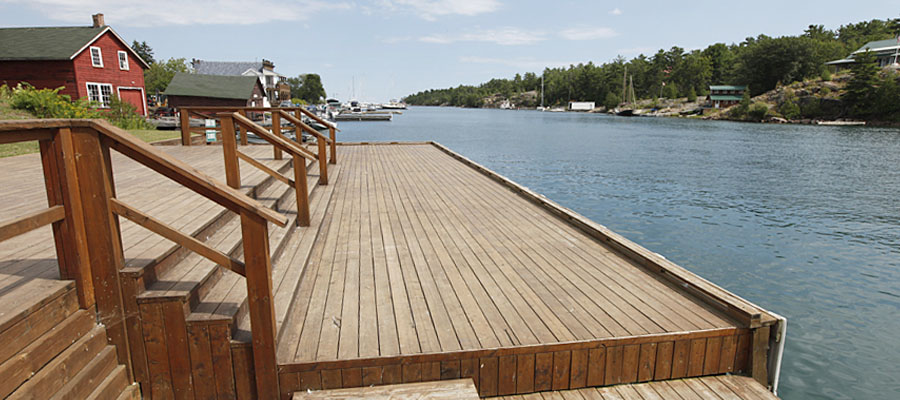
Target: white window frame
99,56
122,61
99,100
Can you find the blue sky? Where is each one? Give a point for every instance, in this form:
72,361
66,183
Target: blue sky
392,48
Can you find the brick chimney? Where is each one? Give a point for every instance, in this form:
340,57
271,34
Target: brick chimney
98,20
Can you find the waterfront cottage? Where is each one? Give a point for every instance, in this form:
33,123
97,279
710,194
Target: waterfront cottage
722,96
886,53
215,90
91,62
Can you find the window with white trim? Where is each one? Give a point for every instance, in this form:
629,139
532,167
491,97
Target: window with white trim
96,57
100,93
123,61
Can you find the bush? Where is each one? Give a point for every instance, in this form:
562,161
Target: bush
48,103
758,111
826,75
788,106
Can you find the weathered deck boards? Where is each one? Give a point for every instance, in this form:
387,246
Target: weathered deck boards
424,255
459,389
427,269
32,255
722,387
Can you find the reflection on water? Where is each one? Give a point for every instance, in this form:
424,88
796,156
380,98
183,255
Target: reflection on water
802,220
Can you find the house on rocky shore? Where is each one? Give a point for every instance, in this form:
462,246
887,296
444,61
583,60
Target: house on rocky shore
91,62
723,96
886,53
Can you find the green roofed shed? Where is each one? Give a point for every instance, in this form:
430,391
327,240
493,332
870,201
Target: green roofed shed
213,90
728,87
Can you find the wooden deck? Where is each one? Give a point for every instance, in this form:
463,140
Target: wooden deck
33,256
426,268
722,387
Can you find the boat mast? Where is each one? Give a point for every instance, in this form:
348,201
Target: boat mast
542,91
625,85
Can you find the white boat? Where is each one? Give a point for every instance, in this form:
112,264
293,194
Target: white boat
393,105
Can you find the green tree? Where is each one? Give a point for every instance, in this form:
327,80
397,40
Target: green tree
611,101
311,89
788,107
859,95
144,50
158,76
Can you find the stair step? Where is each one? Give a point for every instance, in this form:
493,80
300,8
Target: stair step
63,367
89,377
111,386
31,310
33,357
132,392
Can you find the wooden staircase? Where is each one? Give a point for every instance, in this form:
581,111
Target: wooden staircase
190,317
51,349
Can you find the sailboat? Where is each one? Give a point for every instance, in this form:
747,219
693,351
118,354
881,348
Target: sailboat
628,112
542,108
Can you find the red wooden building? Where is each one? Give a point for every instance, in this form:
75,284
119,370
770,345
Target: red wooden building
90,62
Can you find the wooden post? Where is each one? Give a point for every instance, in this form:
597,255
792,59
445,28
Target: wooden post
301,191
261,307
243,130
185,115
102,236
323,162
759,356
333,138
276,130
62,188
229,148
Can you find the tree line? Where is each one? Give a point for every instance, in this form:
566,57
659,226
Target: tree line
760,62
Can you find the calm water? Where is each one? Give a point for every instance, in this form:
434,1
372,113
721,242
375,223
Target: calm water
801,220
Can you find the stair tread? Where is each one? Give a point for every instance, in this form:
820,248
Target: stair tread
62,368
36,355
34,319
81,385
28,297
112,385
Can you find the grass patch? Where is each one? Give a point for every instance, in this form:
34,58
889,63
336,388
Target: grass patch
147,135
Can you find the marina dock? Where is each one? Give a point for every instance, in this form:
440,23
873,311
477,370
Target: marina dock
396,264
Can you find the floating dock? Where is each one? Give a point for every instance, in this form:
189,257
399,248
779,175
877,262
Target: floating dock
418,266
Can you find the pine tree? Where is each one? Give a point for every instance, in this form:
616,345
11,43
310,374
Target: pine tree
859,96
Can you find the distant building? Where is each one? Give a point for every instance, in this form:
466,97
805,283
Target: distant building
215,90
581,105
886,53
91,62
273,83
722,96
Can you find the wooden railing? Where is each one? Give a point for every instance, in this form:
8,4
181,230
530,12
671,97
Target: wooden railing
299,154
321,141
84,214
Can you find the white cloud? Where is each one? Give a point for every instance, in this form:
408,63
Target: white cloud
508,36
588,33
615,11
521,63
430,9
175,12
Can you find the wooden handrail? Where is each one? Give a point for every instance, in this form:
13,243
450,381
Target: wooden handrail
30,222
161,228
273,173
274,140
316,117
297,122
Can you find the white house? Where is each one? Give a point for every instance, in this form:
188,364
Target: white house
274,83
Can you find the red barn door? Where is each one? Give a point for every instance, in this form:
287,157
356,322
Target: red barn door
134,97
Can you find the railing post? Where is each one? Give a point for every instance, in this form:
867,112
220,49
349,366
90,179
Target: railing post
261,305
332,135
243,130
62,188
229,148
323,162
301,190
93,171
276,130
185,115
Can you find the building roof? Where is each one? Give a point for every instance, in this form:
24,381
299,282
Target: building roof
52,43
216,86
727,87
880,46
229,68
725,97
